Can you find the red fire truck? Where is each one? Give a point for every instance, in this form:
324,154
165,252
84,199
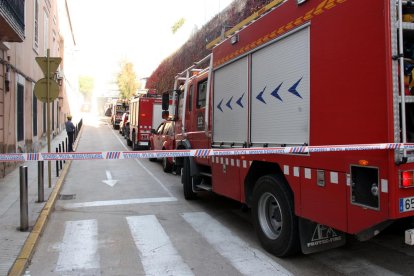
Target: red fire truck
299,73
119,107
144,115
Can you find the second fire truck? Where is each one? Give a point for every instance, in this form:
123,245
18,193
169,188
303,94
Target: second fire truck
144,115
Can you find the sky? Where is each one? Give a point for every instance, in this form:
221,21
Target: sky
107,32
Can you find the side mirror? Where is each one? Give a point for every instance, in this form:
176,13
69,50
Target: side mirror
165,114
165,100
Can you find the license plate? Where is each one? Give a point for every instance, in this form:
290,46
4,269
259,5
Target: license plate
406,204
143,143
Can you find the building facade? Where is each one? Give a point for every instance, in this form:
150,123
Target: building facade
23,118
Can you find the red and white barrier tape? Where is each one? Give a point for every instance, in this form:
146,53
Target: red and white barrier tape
116,155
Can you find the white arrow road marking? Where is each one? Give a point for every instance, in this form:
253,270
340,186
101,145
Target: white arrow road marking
79,248
111,182
246,259
158,254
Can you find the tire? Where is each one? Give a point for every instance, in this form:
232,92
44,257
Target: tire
166,165
129,142
187,181
152,159
133,144
274,220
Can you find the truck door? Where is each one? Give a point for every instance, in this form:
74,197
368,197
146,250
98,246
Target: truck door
200,106
189,110
198,138
194,118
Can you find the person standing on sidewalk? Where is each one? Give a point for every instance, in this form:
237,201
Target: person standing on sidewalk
70,130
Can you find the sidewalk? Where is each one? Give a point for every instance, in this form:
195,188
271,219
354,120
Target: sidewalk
12,240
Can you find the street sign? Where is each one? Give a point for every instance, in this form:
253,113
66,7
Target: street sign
40,90
53,64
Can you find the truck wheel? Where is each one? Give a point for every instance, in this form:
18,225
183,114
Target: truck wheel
166,165
273,216
133,143
129,142
152,159
187,181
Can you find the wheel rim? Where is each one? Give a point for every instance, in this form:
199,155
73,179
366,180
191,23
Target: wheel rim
270,216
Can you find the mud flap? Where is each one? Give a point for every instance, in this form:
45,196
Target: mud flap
316,237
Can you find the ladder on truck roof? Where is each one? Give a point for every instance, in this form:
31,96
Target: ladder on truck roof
400,98
185,76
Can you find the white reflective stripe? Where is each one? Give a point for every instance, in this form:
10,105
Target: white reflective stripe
384,185
119,202
308,173
79,248
217,160
296,171
244,164
246,259
227,161
334,177
238,163
221,160
158,255
232,162
286,169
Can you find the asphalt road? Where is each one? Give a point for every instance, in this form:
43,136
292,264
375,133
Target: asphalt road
128,217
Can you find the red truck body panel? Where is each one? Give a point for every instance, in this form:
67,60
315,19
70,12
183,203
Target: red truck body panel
351,102
141,120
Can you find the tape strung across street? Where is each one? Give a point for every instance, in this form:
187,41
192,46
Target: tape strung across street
116,155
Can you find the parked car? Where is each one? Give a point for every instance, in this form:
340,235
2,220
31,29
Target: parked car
162,138
124,120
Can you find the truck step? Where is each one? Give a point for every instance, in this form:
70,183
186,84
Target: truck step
204,186
205,174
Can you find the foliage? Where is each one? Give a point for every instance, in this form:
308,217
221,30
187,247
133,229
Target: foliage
194,49
127,80
86,85
177,25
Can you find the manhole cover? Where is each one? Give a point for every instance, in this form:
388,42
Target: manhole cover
67,197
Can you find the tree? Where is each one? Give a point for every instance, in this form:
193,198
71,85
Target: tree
127,80
177,25
86,85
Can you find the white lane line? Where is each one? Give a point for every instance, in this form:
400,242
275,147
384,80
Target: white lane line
158,255
248,260
346,263
79,248
118,202
142,166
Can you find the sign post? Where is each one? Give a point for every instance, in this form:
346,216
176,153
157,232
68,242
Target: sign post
47,90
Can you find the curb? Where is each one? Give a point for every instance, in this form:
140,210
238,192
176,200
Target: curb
26,254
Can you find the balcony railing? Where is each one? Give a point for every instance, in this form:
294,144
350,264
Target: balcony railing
12,20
